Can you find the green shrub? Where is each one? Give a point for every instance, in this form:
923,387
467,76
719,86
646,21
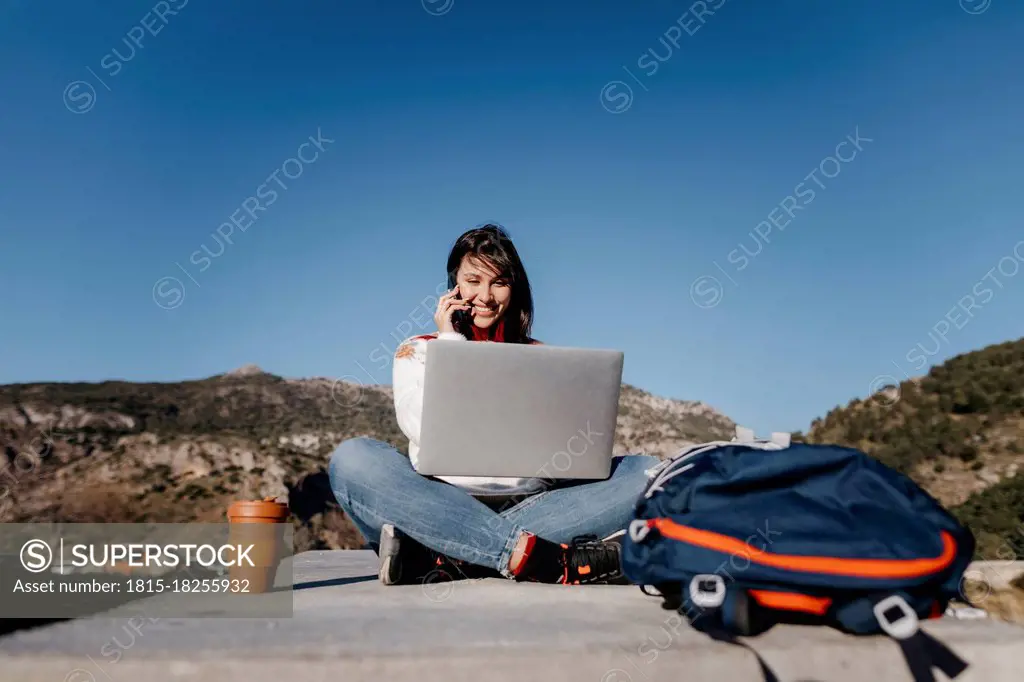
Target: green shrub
996,516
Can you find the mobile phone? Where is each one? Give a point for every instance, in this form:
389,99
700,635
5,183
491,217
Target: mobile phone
461,319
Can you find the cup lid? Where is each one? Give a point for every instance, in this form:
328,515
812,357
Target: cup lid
268,507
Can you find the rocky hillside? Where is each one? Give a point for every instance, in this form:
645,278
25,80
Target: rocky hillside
119,451
959,432
174,452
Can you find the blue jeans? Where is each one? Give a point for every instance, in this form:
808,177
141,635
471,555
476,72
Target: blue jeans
375,484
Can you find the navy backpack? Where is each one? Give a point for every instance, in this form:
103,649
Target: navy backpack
740,535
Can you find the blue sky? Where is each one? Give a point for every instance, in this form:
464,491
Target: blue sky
131,131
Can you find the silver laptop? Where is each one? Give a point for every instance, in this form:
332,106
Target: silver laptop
513,410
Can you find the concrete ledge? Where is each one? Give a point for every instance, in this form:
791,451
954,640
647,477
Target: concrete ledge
348,626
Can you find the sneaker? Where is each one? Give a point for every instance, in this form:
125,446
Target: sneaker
403,561
589,560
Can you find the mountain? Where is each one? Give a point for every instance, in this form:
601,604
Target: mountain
176,452
959,432
118,451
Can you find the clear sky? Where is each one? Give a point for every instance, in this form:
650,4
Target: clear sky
703,213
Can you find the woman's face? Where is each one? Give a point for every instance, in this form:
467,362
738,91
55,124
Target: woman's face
488,290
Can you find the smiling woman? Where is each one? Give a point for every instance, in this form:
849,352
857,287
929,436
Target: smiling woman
433,528
487,283
489,300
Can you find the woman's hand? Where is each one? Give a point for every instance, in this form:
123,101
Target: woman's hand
447,305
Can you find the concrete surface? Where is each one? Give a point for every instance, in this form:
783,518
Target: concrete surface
346,626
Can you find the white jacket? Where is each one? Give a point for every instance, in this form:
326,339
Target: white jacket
407,382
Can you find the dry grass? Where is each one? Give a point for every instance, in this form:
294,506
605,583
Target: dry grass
1007,605
96,504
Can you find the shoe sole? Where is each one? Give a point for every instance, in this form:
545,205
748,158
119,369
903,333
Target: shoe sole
389,572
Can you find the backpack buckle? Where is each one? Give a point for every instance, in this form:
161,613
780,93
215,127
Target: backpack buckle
896,617
638,530
744,435
707,591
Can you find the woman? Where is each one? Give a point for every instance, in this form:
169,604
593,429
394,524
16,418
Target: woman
424,527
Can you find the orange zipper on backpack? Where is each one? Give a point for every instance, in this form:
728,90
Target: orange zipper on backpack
856,568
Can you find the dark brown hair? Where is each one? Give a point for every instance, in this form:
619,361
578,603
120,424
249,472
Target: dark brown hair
492,244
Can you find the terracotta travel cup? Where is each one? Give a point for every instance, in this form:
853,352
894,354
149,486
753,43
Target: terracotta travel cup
257,523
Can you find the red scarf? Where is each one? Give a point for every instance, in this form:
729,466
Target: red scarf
494,333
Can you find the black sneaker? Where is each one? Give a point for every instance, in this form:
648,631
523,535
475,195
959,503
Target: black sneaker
403,561
590,561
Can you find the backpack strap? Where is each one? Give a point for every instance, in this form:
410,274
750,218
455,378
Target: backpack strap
704,604
704,601
921,651
723,636
683,460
